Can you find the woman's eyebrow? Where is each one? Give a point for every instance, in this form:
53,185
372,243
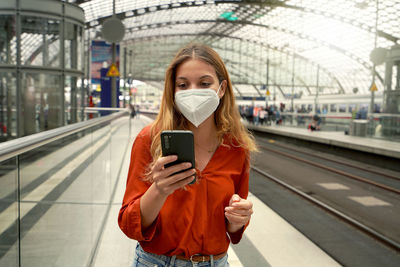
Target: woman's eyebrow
206,76
201,77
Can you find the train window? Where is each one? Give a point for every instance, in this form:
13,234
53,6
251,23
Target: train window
364,106
318,109
309,107
324,108
342,107
333,108
352,107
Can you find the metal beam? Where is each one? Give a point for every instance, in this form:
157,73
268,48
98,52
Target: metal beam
333,77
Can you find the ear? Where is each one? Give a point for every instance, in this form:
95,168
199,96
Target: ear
224,85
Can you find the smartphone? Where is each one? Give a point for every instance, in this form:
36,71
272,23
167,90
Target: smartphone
180,143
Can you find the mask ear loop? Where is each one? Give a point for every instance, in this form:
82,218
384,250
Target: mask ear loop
218,89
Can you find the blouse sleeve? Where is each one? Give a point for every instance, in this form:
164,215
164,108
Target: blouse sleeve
129,218
242,189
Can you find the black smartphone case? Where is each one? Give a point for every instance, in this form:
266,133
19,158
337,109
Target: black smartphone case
180,143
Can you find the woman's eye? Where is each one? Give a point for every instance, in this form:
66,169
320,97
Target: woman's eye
204,84
181,85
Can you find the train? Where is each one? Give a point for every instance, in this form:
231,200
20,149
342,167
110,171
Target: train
340,106
336,111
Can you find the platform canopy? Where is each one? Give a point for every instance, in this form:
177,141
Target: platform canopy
289,47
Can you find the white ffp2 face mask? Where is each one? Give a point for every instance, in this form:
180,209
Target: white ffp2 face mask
197,104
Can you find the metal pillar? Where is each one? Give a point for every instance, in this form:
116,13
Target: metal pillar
317,92
114,79
267,85
74,65
125,60
18,73
292,95
372,104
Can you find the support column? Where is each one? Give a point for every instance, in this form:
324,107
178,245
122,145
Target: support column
114,79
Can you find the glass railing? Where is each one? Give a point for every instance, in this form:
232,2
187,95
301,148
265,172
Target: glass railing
56,189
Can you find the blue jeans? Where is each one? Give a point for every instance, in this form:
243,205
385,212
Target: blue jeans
146,259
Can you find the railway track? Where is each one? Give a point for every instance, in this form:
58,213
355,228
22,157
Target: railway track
375,179
379,179
355,223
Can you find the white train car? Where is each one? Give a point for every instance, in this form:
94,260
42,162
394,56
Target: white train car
329,105
334,110
334,105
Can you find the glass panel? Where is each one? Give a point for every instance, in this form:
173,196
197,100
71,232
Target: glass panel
8,42
80,99
40,41
65,192
8,106
384,126
9,213
119,142
342,108
333,108
80,49
73,99
69,45
73,45
41,102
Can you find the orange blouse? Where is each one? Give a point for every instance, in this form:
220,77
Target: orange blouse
191,221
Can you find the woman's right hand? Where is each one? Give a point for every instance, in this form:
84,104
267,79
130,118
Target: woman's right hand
166,180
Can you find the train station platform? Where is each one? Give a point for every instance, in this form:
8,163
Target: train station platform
69,198
268,241
334,138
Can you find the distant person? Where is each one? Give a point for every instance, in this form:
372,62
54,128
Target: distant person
249,114
315,123
262,116
178,224
378,129
278,119
362,114
133,110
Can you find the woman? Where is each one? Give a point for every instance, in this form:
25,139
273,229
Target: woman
178,224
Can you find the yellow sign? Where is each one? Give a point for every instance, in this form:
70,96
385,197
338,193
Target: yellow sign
373,87
267,92
113,71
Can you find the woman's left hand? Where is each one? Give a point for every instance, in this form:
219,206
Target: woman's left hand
238,212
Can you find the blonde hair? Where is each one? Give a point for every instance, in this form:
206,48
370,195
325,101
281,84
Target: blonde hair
227,117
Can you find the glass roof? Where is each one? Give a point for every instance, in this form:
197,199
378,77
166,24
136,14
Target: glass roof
290,46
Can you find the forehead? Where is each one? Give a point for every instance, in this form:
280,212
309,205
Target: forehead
195,68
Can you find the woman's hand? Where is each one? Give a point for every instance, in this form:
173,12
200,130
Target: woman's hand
238,213
165,179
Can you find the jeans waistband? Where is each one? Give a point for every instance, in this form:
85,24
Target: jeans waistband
197,260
